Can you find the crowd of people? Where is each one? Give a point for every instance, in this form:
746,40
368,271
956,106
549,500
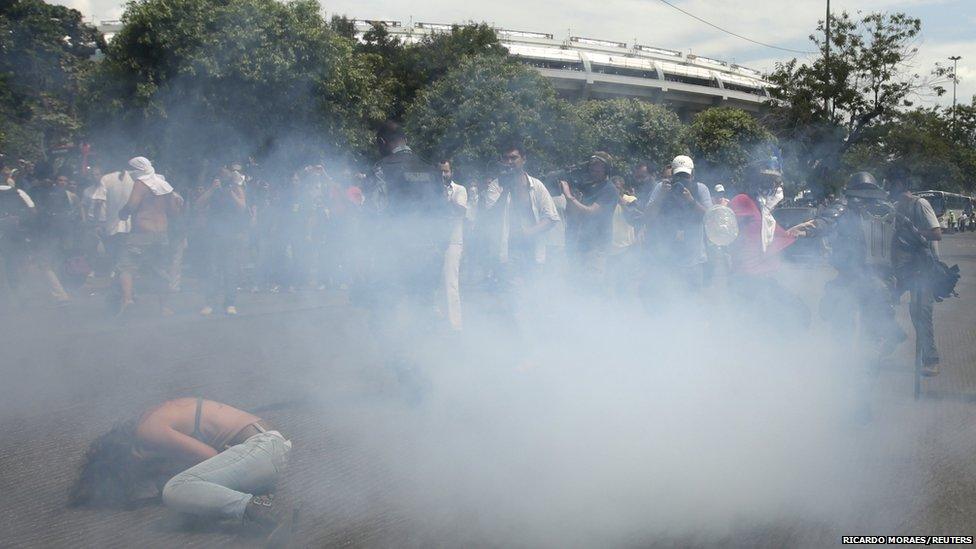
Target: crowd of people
408,228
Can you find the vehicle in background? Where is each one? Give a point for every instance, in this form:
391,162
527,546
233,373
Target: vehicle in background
945,203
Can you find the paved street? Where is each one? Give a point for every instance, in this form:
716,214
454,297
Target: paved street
375,466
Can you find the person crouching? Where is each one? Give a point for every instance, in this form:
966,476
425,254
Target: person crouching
226,456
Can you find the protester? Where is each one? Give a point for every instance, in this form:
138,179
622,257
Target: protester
457,199
755,254
54,222
201,457
151,204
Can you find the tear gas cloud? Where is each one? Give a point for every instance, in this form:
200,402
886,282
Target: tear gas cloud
577,419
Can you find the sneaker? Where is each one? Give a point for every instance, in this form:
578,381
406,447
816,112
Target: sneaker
930,370
232,310
206,311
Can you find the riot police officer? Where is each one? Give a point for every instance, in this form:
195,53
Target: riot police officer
405,191
859,230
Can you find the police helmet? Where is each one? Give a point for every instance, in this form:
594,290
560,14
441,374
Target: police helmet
864,185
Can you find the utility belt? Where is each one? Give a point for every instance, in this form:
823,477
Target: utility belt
248,431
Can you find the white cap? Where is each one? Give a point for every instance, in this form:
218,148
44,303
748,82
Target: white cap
682,164
719,188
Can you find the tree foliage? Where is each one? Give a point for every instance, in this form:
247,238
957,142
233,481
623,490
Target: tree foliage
823,108
191,79
632,130
724,140
45,50
920,143
485,102
405,69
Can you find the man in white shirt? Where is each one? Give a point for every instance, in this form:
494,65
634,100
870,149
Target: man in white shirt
522,212
918,212
457,201
111,193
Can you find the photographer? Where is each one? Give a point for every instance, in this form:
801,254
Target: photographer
675,232
916,216
589,218
226,226
518,210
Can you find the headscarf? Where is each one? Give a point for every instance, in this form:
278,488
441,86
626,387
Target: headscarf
142,170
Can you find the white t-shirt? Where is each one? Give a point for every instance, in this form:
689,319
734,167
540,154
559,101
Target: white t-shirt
458,197
89,196
116,186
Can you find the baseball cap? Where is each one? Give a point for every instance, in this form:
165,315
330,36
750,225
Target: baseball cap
719,188
682,164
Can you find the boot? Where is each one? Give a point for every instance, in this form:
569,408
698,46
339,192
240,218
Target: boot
271,519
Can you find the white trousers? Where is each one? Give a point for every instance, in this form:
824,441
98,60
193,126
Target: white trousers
452,289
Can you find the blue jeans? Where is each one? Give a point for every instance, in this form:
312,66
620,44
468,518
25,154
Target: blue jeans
223,485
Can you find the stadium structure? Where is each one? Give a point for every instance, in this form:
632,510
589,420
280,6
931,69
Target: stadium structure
588,68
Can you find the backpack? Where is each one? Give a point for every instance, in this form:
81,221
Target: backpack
926,265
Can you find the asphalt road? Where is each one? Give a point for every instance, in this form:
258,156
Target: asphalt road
308,361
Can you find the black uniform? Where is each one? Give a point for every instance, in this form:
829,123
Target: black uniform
406,193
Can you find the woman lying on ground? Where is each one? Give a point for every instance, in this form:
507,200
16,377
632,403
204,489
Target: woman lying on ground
226,456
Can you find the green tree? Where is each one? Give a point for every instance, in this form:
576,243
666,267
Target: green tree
821,109
486,101
406,69
724,140
343,26
919,142
632,130
44,51
187,80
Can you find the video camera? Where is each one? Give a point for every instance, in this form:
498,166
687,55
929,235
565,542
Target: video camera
574,174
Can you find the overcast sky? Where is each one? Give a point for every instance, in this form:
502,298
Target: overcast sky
946,24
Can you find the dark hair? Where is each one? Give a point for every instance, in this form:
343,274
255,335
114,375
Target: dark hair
510,145
390,131
897,176
110,470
